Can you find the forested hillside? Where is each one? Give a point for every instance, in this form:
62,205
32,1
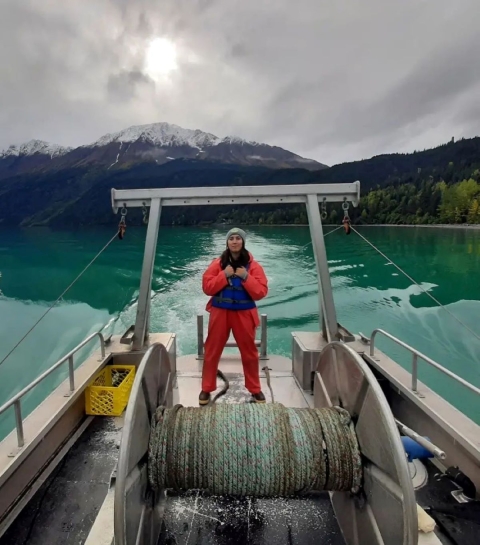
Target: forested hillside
423,203
437,186
441,185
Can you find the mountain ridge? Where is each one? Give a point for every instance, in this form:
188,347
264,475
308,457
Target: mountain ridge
156,143
80,195
161,133
35,146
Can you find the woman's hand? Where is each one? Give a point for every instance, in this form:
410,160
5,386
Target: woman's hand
241,272
228,271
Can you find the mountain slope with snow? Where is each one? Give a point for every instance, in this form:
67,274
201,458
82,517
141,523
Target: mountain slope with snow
156,144
35,147
159,134
162,142
31,156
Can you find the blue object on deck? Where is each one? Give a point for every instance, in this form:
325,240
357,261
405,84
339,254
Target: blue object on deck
414,449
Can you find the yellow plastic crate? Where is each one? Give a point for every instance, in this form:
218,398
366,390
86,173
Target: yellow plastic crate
108,393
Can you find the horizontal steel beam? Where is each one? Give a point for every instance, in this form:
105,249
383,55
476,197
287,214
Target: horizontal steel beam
228,195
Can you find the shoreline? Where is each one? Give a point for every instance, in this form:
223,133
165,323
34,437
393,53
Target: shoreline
411,226
434,226
471,227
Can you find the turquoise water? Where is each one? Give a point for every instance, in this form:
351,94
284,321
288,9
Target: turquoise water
37,264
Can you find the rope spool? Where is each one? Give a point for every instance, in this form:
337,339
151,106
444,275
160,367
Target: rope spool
253,450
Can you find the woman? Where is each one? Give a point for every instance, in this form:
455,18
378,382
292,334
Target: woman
234,281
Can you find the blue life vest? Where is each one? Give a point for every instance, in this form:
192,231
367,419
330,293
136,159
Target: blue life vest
234,296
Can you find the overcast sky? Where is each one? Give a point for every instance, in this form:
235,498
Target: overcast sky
333,80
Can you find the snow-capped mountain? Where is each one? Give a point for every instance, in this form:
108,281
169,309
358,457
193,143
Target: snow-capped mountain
163,142
160,134
156,143
33,155
35,147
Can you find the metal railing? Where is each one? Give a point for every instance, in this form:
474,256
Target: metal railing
16,399
262,342
415,355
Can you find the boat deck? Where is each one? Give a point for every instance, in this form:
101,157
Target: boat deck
284,385
195,519
63,510
199,519
66,506
457,523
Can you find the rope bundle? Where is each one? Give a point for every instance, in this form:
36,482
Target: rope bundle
253,450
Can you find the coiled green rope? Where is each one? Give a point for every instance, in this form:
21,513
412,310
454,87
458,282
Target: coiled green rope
253,450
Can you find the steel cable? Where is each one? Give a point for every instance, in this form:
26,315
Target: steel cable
58,298
417,284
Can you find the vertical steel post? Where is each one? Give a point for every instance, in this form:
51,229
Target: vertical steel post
414,372
143,307
325,294
71,373
263,338
200,337
19,423
102,345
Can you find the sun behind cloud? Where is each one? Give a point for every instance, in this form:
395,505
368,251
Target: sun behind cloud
160,58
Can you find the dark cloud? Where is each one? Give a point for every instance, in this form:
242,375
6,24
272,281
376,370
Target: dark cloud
125,85
330,80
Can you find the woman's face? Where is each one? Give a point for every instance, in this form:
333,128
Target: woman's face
235,243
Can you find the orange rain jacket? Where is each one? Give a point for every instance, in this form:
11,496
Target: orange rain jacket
256,284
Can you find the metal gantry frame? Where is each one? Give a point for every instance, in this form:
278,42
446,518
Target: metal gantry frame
308,194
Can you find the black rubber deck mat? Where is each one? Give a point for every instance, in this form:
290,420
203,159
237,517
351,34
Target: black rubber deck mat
458,522
460,528
198,519
64,508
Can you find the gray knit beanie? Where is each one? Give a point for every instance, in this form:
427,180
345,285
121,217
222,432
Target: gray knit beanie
239,232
